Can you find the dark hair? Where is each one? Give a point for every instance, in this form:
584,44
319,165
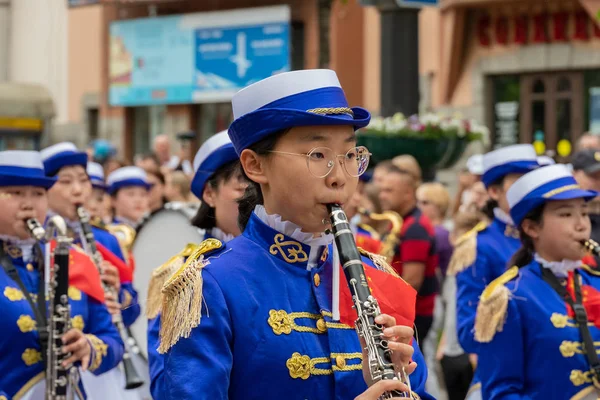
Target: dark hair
524,255
156,173
253,195
205,217
490,204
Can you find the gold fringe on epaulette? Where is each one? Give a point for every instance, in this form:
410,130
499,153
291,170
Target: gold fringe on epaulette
159,276
182,297
491,311
182,304
491,314
379,261
465,250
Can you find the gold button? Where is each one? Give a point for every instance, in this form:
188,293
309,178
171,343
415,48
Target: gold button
340,362
317,280
321,326
29,267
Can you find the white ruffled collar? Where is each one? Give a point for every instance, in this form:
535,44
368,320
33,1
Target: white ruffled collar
559,268
220,235
295,232
503,216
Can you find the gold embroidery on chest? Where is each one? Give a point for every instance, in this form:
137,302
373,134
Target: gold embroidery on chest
302,366
31,356
77,322
283,322
13,294
579,378
563,321
12,250
511,231
74,293
290,250
26,323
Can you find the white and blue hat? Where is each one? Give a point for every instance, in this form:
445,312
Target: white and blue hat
552,182
96,174
545,160
298,98
62,155
23,168
516,159
212,155
125,177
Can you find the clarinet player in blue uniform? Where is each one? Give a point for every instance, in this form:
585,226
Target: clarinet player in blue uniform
219,183
262,318
73,189
481,255
538,322
93,341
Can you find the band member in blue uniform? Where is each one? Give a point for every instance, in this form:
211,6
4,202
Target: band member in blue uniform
96,202
261,316
545,309
93,341
481,255
218,181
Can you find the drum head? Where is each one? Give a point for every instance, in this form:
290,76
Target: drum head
162,236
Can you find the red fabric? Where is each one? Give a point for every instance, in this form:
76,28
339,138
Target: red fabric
483,26
368,243
502,30
131,263
590,297
589,260
125,271
521,25
395,297
83,274
581,26
539,29
560,20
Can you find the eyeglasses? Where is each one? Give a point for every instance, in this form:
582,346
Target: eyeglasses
321,160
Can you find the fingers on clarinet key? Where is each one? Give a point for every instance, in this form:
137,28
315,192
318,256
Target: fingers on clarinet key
381,387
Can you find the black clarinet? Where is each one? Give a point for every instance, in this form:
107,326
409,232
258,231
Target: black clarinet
592,246
367,308
58,378
132,377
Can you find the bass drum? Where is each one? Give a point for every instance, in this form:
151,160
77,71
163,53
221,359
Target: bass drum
162,235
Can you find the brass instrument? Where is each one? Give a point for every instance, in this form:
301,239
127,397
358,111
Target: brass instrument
61,382
392,238
126,236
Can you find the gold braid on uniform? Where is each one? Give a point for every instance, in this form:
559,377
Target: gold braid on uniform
159,276
465,250
491,311
182,297
332,111
380,262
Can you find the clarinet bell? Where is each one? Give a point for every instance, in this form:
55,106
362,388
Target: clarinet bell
132,379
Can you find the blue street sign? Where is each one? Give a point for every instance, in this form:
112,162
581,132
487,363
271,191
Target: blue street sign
416,3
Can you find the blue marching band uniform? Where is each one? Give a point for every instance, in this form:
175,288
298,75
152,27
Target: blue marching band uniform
21,366
481,255
530,348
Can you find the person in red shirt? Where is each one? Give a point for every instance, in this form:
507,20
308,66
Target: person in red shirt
416,259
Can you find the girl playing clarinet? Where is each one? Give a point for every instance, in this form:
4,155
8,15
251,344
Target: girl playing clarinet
259,317
544,310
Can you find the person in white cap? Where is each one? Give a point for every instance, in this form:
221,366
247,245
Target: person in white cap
481,255
259,317
544,310
92,340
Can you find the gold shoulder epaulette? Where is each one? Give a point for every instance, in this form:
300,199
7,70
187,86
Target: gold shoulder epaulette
98,223
465,250
159,277
182,297
590,270
491,311
379,261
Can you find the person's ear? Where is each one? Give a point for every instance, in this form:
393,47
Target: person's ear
209,195
531,228
254,166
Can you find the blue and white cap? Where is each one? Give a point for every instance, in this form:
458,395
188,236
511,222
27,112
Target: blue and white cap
212,155
552,182
125,177
545,160
23,168
96,174
516,159
62,155
298,98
